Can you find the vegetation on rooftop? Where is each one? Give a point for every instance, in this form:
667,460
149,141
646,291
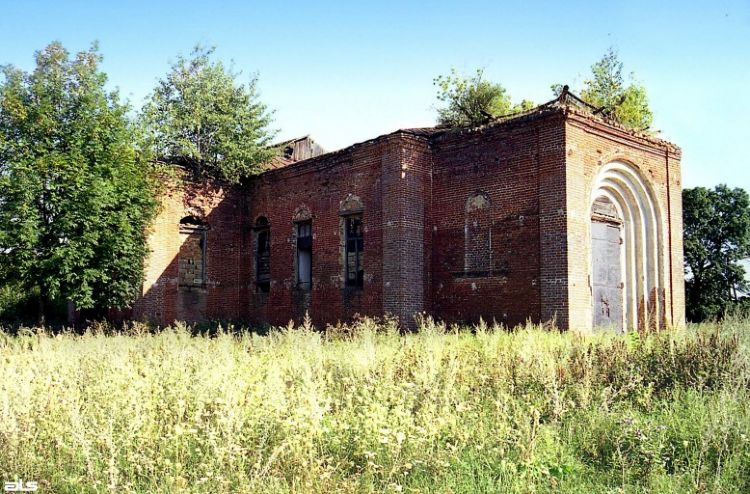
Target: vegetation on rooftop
200,116
473,101
607,90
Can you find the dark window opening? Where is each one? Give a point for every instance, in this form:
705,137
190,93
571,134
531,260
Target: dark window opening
354,251
262,255
304,254
191,222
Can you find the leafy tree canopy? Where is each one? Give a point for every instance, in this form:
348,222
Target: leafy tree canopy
717,237
75,195
200,116
607,89
472,101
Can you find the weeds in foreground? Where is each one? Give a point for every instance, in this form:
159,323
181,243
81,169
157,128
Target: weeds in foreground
361,408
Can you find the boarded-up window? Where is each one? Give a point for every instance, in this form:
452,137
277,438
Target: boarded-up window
262,255
478,236
192,257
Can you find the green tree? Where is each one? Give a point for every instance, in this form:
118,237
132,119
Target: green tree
607,89
472,101
717,237
201,117
75,197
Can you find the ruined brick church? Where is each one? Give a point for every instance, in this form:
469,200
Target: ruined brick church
551,214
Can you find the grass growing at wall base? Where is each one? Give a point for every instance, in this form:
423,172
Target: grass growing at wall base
363,409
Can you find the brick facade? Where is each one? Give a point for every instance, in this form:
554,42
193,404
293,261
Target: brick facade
591,145
491,222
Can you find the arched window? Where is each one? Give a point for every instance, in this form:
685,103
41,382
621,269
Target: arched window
350,210
192,256
478,236
303,238
262,254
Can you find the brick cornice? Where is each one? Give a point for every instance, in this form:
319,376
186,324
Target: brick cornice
616,132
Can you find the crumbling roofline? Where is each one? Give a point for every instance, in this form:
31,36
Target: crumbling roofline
567,104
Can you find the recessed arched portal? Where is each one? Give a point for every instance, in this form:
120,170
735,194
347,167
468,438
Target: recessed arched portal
607,280
623,207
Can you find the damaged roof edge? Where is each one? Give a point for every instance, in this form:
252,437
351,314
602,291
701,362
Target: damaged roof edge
567,104
423,133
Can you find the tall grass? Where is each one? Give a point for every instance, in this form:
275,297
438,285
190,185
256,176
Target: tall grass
361,408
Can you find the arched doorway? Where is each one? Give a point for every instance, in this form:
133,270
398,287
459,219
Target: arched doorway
607,281
626,245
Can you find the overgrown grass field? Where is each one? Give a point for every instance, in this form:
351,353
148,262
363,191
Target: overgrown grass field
364,409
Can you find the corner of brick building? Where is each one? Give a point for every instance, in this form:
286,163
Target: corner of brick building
217,294
406,170
418,192
590,144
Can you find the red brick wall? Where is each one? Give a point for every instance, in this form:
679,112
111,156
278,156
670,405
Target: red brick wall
529,182
591,145
163,300
321,185
510,164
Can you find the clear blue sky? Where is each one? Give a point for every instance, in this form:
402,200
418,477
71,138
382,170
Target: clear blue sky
348,71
